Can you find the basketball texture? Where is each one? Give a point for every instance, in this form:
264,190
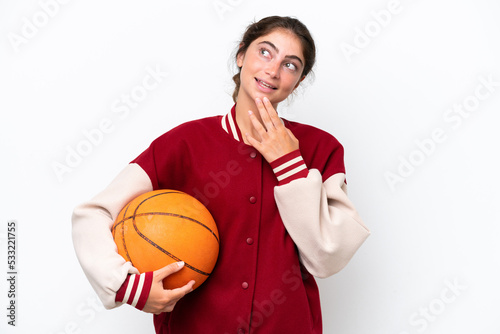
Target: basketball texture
165,226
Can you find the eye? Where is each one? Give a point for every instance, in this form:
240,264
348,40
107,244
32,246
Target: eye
265,52
291,66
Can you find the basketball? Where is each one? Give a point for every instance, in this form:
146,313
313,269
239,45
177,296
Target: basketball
165,226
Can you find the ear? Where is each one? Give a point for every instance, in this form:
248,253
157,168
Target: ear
240,57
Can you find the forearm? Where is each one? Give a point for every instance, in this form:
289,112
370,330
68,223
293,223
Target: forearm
92,221
321,220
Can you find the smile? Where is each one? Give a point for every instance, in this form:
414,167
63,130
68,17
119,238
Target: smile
264,84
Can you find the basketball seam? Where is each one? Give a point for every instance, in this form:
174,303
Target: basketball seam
123,236
164,213
156,245
172,215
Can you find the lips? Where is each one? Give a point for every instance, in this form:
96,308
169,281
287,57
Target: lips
265,84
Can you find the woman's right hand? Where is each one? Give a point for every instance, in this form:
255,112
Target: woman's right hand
162,300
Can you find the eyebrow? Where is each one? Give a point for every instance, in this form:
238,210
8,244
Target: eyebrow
277,51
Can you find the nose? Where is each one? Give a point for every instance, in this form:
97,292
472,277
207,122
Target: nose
273,69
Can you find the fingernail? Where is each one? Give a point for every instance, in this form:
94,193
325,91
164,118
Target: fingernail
180,264
250,112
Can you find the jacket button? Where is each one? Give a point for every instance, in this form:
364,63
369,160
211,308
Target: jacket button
241,331
253,199
249,241
253,155
244,285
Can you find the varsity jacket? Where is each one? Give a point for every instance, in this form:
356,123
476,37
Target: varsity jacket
280,224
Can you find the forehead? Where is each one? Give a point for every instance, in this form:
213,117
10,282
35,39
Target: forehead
286,41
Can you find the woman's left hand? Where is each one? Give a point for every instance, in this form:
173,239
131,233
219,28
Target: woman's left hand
275,139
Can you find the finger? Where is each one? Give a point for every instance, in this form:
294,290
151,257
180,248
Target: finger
253,142
161,273
257,124
290,133
168,298
264,114
175,294
273,114
169,307
184,289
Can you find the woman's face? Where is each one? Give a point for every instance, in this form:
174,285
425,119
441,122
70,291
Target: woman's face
271,67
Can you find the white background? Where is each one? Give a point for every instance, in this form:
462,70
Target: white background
431,264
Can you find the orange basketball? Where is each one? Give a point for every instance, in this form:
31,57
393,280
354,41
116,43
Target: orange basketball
165,226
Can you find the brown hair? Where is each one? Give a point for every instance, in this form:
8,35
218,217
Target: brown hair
268,25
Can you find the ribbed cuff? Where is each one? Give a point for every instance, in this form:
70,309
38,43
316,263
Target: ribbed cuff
135,290
289,167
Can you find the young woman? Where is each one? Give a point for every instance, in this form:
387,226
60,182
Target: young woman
281,207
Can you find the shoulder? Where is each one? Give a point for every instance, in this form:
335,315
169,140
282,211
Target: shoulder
312,136
169,154
191,130
206,123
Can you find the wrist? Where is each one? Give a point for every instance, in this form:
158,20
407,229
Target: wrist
289,167
135,290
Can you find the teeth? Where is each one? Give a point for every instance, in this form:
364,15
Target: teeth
266,85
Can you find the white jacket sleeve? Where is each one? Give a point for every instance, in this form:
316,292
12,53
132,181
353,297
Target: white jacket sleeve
322,221
92,221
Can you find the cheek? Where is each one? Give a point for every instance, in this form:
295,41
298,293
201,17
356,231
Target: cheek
245,74
251,65
291,82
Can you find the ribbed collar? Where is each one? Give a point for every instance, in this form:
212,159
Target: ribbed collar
229,125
